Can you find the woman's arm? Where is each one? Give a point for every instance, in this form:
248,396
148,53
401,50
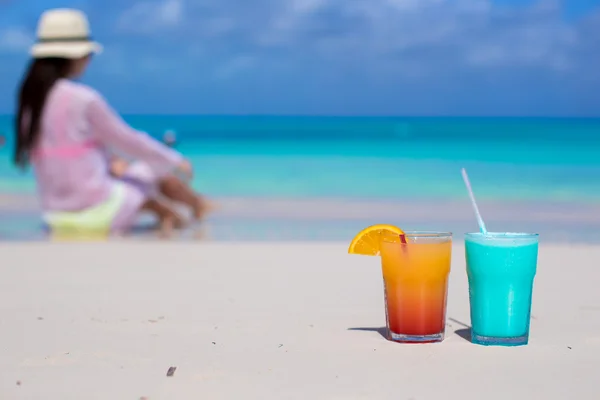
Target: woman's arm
109,129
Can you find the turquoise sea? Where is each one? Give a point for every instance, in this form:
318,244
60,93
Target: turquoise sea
327,162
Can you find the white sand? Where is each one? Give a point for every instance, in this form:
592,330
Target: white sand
269,321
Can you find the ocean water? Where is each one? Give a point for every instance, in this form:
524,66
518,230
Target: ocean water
364,159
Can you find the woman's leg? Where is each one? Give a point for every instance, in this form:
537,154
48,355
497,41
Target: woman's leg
136,200
167,217
169,186
175,189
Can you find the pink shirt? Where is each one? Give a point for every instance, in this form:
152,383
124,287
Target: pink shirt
70,160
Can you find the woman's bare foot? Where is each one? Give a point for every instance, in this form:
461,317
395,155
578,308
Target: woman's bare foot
166,227
176,190
203,207
201,232
199,208
168,223
178,221
168,218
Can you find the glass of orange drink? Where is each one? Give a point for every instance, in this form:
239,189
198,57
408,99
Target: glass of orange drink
415,267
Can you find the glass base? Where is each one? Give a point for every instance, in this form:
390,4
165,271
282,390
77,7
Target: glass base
499,341
402,338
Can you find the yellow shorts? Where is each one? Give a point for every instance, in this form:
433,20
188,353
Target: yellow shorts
94,222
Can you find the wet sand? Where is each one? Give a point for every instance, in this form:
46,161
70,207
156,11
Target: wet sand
268,219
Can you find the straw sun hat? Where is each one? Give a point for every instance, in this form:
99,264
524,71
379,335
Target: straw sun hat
64,33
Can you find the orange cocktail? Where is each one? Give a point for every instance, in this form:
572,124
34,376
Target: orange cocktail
415,275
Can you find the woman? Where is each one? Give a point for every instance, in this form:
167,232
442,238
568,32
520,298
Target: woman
66,130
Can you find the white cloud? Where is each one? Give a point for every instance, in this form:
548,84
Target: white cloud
397,38
471,32
151,16
415,36
15,39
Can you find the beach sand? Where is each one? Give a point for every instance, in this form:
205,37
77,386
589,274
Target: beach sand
270,321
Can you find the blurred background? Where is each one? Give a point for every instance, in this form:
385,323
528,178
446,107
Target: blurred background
311,119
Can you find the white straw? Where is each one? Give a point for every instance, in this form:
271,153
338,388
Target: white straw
473,202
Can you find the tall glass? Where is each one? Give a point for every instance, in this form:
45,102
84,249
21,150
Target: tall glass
415,277
501,268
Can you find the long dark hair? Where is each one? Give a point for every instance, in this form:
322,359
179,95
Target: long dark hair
41,75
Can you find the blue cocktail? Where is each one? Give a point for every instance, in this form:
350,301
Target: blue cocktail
501,268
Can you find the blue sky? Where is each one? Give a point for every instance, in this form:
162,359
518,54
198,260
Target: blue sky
340,57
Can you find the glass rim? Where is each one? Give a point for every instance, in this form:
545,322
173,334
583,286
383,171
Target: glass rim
427,234
502,235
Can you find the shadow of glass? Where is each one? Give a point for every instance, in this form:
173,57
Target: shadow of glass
464,333
381,331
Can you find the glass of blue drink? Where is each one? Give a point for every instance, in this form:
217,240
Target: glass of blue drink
501,268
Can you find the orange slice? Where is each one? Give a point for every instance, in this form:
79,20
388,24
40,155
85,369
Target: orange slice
367,241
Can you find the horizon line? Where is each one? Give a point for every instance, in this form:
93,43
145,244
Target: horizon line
366,116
